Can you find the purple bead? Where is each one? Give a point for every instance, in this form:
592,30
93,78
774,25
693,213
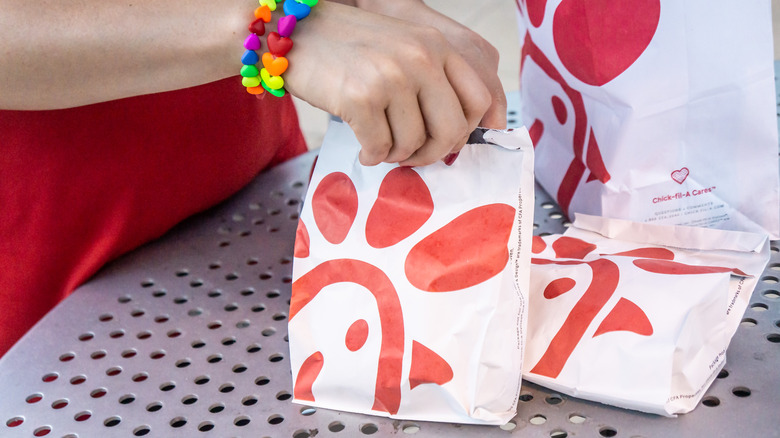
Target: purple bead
250,58
286,25
252,42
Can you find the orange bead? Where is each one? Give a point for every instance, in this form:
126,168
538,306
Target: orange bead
263,13
255,90
275,65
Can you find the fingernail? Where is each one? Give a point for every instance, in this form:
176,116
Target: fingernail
449,159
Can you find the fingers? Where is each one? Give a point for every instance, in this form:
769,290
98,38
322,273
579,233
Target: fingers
407,125
495,116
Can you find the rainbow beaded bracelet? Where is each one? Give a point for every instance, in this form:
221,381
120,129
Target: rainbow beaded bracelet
269,77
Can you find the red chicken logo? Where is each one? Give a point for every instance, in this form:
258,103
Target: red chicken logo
595,41
625,316
460,254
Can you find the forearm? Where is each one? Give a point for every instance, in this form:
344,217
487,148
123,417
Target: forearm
65,54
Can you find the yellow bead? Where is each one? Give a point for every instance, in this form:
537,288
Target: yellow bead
270,3
273,82
250,82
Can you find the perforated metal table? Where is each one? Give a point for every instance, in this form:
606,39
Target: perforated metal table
187,337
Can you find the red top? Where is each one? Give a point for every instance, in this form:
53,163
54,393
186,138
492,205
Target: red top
79,187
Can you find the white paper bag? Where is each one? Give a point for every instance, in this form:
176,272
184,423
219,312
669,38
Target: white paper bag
637,315
657,111
409,296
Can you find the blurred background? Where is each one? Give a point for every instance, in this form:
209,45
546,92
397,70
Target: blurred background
496,21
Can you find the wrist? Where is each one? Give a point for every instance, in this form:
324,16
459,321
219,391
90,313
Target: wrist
385,7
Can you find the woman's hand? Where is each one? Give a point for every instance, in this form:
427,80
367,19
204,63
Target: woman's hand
408,95
479,53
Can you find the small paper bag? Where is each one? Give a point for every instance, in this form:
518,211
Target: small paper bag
637,315
409,296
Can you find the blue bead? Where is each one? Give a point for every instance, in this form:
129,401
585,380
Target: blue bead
300,10
250,58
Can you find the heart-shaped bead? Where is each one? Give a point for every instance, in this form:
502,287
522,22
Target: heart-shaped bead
250,82
278,45
252,42
255,90
249,71
275,65
286,25
263,13
273,82
309,3
270,3
257,27
250,57
277,93
298,10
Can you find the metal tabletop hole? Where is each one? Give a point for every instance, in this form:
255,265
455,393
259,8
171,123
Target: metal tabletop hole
34,398
67,357
14,422
538,420
140,377
59,404
206,426
243,420
559,434
42,431
142,430
554,399
741,391
83,416
369,428
178,422
608,432
154,407
336,426
577,418
710,401
97,393
509,425
216,408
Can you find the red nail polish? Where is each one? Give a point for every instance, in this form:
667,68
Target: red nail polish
449,159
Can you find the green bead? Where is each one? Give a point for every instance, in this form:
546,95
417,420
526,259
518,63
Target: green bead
277,93
309,3
250,82
249,71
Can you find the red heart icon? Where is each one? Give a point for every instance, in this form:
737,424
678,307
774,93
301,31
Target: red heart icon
279,45
680,175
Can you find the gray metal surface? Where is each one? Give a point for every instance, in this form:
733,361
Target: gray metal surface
187,337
